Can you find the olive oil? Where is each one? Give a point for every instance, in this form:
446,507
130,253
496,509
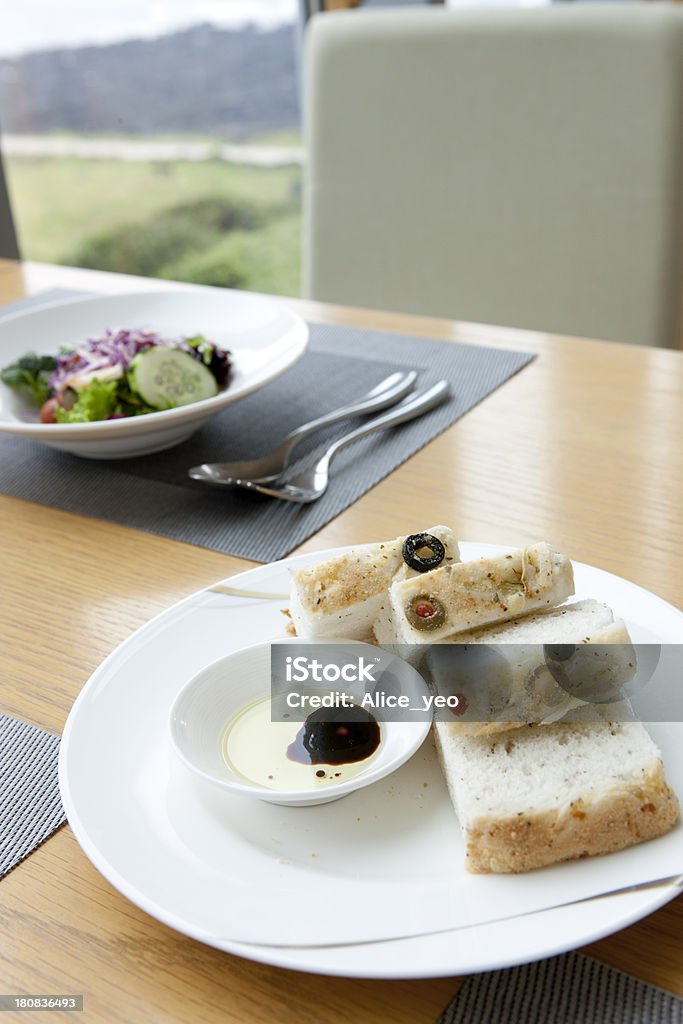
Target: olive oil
256,749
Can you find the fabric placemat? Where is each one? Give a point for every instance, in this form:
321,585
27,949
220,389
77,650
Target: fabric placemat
30,807
155,494
568,989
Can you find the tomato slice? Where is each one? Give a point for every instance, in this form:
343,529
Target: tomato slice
47,411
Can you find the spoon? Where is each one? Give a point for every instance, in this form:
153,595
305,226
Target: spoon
269,467
312,483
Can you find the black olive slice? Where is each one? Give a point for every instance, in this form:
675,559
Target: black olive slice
425,612
414,548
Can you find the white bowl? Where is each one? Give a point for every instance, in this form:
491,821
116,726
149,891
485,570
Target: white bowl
219,692
264,336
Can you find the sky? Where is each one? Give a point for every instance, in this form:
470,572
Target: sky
44,24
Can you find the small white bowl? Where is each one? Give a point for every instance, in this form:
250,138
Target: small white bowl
210,700
265,338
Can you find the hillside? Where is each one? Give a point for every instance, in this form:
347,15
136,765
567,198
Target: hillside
203,79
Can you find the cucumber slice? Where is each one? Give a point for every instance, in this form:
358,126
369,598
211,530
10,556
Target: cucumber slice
168,377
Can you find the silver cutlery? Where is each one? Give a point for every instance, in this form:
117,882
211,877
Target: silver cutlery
312,483
269,467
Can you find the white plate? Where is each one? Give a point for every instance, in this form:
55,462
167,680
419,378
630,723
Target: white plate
171,849
265,337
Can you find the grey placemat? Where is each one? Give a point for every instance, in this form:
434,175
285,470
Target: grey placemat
569,989
30,808
155,494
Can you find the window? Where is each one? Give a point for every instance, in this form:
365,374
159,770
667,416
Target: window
156,138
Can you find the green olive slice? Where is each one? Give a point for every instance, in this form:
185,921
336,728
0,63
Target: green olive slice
425,612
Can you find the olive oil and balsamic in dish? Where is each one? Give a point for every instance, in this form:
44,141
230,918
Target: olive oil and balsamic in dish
331,746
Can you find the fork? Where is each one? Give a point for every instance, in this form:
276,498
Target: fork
271,466
312,483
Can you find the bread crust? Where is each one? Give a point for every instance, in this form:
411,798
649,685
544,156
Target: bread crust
347,580
486,591
624,817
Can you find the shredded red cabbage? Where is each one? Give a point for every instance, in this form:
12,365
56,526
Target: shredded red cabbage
119,347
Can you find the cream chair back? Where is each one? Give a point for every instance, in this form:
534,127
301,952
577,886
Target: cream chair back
517,167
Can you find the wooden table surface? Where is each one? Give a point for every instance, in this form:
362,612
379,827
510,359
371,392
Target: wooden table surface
582,448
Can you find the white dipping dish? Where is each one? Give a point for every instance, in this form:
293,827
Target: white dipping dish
216,695
265,338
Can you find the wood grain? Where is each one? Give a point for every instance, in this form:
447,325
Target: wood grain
582,448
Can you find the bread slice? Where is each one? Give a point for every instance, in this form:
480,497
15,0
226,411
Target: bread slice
342,596
475,593
536,796
510,685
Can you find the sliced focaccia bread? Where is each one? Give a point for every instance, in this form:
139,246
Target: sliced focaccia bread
511,680
537,796
467,595
342,596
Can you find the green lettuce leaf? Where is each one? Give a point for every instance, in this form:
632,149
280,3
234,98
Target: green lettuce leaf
29,377
97,401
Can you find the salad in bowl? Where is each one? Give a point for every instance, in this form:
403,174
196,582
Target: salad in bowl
122,373
72,380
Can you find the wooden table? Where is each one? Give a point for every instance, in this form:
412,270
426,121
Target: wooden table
582,448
